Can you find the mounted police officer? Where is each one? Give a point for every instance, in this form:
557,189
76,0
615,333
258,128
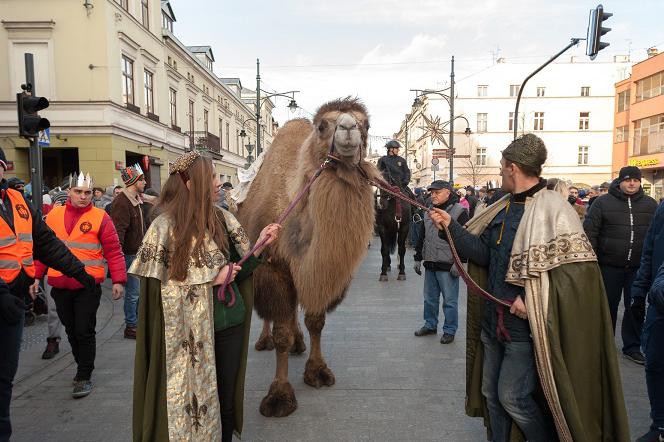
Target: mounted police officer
394,167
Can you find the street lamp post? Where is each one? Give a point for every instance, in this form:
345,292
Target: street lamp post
292,105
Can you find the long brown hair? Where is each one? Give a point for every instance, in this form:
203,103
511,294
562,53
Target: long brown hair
192,213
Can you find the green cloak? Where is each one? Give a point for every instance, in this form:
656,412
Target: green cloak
571,326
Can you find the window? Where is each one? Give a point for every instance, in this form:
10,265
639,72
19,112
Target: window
481,123
649,135
149,92
166,22
221,133
228,136
510,122
480,158
127,81
205,121
173,103
237,141
191,116
584,120
585,91
583,156
540,91
123,3
538,122
514,90
650,87
145,17
623,100
622,134
208,63
481,90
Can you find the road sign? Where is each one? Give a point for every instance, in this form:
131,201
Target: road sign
435,168
45,137
461,156
435,161
439,151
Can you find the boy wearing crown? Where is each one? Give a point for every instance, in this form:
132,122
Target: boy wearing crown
89,233
127,216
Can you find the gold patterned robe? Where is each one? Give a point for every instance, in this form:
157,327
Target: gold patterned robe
175,359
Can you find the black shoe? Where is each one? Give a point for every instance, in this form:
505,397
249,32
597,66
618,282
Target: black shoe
425,331
636,356
447,338
52,348
81,389
652,436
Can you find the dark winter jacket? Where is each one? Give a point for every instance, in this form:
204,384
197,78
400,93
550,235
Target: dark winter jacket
446,264
127,216
656,296
395,170
616,225
492,249
46,247
652,257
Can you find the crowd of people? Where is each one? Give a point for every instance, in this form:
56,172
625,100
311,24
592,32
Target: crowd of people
567,256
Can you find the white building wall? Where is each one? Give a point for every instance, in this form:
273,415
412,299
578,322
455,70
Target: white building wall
562,104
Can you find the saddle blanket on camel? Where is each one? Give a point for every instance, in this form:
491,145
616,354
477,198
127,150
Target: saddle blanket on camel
569,320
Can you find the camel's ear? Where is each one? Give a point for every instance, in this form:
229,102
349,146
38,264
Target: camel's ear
322,126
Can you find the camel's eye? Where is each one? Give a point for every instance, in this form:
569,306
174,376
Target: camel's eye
322,126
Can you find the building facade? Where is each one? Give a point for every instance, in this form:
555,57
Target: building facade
639,123
123,89
568,104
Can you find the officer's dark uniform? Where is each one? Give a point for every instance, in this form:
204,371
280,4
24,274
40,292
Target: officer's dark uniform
394,170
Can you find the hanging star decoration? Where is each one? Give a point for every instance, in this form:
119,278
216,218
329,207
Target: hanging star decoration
434,130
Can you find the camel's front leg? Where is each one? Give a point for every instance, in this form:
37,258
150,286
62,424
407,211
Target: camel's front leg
265,341
280,401
299,346
316,372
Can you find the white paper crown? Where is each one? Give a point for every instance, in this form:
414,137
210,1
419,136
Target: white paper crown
80,180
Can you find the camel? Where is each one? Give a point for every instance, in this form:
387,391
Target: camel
322,242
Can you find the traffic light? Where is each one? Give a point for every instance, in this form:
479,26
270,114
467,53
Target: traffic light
594,42
29,122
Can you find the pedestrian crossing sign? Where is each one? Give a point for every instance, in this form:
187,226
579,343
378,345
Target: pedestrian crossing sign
44,138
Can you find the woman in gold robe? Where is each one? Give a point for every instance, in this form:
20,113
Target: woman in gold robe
191,346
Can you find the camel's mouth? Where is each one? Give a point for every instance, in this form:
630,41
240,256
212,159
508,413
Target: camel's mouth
347,136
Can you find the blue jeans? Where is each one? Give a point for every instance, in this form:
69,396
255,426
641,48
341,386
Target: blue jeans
653,347
131,295
509,379
10,345
435,284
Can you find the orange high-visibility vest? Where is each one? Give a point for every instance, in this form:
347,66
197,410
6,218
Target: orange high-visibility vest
83,241
16,245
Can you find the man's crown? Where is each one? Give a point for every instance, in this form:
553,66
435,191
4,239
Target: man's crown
80,180
131,174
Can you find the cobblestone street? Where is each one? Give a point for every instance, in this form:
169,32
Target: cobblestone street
390,385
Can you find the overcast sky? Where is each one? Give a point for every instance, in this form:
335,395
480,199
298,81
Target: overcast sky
379,49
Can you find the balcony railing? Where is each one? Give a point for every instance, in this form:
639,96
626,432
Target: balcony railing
204,140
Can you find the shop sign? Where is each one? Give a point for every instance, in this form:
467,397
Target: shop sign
119,165
643,163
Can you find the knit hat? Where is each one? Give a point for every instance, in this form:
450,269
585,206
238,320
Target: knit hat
628,172
60,197
3,159
528,149
131,174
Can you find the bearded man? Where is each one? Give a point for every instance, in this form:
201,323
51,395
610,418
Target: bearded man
549,360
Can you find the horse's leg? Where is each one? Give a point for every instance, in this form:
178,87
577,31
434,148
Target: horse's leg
385,254
401,241
299,346
265,341
316,371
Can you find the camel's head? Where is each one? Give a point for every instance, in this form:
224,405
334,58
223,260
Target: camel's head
344,122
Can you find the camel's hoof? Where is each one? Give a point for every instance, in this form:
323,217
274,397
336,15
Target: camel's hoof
264,343
280,401
401,277
318,375
382,278
299,346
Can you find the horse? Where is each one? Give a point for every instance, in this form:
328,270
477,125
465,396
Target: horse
393,218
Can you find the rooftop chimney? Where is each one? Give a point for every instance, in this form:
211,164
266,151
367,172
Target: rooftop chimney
652,52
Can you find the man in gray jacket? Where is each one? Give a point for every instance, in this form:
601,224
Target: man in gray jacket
440,276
